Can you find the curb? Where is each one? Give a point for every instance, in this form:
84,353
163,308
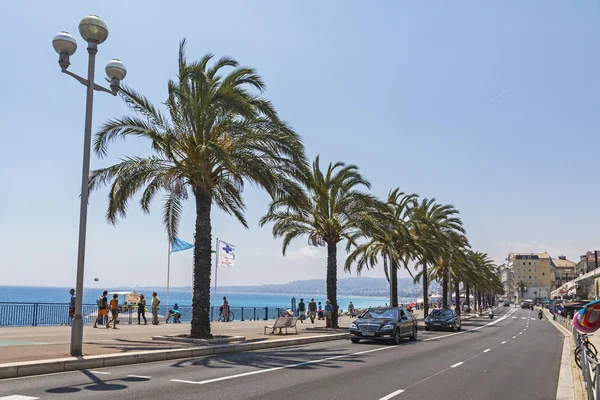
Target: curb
206,342
29,368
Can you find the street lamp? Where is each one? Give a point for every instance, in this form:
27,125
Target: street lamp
94,32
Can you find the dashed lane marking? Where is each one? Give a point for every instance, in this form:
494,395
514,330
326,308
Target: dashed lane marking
456,365
503,342
18,397
486,350
389,396
514,337
100,372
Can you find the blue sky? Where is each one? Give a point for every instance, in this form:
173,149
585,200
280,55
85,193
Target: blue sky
402,89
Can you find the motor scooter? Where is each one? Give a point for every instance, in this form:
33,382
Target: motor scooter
491,315
540,314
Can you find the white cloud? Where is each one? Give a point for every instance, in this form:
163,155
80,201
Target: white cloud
306,252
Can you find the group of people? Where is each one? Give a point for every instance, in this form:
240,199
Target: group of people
105,306
315,311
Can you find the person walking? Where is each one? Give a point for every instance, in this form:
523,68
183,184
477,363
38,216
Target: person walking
155,303
102,303
320,312
114,309
142,309
225,309
312,310
302,310
71,306
328,312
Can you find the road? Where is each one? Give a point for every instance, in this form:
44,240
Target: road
513,356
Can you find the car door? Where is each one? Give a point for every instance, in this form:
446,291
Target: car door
405,322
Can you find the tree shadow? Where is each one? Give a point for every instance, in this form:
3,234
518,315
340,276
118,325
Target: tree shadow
296,356
98,385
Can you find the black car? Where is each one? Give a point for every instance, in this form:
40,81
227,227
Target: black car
384,323
443,319
506,304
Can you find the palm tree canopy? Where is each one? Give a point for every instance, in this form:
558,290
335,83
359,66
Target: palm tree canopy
331,208
216,134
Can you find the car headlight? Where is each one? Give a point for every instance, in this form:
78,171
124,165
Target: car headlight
449,321
387,327
353,326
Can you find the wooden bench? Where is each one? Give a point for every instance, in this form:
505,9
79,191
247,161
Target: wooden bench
283,323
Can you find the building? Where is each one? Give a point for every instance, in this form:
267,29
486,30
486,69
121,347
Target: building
564,270
536,270
587,262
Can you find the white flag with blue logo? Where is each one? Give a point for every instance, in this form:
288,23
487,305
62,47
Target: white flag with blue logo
226,254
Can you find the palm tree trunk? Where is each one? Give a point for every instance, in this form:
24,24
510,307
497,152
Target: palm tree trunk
425,291
457,294
332,281
202,267
467,294
394,284
445,290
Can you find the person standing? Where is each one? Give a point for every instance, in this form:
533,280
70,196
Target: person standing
351,310
302,310
71,306
320,313
225,308
142,309
312,310
328,312
114,309
155,304
102,303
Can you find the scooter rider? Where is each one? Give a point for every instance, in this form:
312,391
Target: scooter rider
491,312
540,314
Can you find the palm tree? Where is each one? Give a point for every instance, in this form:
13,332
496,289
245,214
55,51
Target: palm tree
332,208
388,234
433,222
215,135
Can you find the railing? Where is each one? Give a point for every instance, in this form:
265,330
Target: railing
47,314
590,368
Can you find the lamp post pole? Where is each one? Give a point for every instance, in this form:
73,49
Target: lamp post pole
94,31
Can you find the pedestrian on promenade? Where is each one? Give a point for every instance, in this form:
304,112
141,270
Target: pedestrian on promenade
320,312
225,309
102,303
142,309
302,310
175,314
328,312
312,310
71,306
351,310
114,309
155,304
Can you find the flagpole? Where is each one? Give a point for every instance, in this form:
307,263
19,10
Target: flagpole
215,317
168,274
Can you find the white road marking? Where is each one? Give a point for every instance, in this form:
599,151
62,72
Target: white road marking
139,376
503,343
100,372
514,317
456,365
520,333
389,396
514,337
18,397
486,350
523,318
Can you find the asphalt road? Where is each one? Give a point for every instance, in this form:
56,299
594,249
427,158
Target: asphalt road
513,356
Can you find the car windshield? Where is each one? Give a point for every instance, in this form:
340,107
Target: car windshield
379,313
441,313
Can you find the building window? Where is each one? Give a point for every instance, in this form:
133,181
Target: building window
529,277
543,273
524,263
529,262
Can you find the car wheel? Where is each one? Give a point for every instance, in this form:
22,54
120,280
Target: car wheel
397,336
426,328
355,340
453,327
459,328
413,337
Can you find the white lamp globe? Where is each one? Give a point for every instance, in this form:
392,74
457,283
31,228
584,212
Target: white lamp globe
93,29
64,43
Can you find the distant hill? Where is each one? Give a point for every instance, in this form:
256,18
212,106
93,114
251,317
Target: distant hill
354,286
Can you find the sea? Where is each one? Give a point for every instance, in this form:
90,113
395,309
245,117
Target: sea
33,294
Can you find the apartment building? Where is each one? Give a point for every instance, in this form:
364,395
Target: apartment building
536,270
564,270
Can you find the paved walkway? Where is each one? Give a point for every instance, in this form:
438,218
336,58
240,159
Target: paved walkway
39,343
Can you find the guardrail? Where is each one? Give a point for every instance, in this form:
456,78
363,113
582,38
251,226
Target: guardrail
48,314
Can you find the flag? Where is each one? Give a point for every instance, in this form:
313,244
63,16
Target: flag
180,245
226,254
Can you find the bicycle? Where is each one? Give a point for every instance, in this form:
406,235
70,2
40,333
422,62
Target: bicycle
222,317
584,340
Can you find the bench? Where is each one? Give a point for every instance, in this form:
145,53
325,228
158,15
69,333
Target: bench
283,323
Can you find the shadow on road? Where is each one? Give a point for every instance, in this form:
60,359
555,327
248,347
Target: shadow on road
97,385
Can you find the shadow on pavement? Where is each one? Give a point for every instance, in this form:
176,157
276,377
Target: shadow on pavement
98,385
270,359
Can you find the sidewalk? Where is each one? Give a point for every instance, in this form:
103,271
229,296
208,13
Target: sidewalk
42,343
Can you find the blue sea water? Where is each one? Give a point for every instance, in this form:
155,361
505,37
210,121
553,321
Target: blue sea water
31,294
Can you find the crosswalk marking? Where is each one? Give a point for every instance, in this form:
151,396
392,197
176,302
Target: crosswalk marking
18,397
139,376
100,372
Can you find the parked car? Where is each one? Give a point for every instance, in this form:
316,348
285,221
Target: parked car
443,319
387,323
